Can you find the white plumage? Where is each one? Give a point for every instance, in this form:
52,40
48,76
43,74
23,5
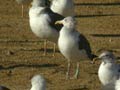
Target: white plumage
73,45
40,26
38,83
42,21
108,71
63,7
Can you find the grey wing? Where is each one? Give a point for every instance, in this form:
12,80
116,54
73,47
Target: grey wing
84,44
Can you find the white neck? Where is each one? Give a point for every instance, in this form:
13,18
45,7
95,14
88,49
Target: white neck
37,3
38,87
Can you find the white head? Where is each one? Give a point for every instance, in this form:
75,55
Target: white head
107,57
68,22
38,83
37,3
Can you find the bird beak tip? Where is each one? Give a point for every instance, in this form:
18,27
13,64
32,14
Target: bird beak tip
58,22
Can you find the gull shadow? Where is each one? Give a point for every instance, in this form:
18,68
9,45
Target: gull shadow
96,15
98,4
105,35
28,66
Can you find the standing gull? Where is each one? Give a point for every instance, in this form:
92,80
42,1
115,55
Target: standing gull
38,83
73,45
63,7
42,21
23,2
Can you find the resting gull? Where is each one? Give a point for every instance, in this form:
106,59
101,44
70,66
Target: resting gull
42,21
23,2
73,45
109,71
63,7
38,83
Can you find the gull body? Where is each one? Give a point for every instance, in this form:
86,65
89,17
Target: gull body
40,25
42,21
73,45
108,71
63,7
38,83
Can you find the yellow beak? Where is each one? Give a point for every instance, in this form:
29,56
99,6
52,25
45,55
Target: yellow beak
58,22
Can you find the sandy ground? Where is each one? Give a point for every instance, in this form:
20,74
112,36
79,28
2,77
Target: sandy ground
21,52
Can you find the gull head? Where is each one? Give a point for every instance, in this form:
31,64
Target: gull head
68,22
107,56
38,83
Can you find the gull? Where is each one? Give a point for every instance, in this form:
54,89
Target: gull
63,7
3,88
108,71
38,83
23,2
73,45
42,22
